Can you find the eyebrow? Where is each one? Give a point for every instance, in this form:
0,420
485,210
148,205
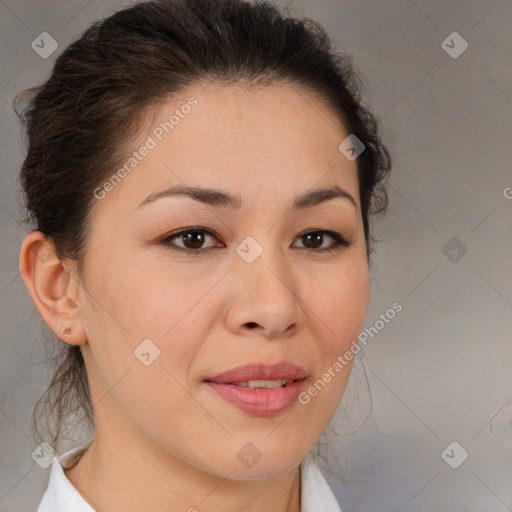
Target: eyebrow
218,198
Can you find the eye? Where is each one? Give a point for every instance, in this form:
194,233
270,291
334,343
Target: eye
316,238
193,240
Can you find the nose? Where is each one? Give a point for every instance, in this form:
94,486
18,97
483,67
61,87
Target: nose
265,298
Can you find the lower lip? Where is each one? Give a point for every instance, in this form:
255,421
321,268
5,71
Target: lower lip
259,402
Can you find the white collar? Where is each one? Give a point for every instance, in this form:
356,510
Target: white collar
61,496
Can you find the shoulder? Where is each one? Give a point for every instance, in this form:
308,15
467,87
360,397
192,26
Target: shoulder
316,495
60,495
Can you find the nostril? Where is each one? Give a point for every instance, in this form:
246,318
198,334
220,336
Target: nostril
252,324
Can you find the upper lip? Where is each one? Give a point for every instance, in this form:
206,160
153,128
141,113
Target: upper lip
260,371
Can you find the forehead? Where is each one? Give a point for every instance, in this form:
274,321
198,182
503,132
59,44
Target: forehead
241,139
274,114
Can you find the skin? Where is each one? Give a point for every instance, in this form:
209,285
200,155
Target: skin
161,435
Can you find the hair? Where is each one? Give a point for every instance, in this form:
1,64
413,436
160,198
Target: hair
80,122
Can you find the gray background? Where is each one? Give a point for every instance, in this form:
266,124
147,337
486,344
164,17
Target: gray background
440,371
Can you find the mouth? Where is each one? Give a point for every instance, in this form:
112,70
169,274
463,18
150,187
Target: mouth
260,374
261,398
261,384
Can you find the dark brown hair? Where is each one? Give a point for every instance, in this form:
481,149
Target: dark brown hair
80,122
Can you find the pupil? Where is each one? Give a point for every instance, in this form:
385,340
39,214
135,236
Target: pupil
317,235
196,237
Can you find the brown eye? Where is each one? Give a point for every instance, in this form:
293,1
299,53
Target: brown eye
192,240
313,241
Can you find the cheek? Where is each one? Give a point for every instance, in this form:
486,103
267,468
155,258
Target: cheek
340,302
340,305
132,301
127,307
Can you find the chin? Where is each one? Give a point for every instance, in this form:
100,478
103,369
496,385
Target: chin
264,464
262,471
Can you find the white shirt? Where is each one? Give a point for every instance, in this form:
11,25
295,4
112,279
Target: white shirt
61,496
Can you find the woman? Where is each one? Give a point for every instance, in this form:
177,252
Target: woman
201,175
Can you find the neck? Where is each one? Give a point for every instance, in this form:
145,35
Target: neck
114,474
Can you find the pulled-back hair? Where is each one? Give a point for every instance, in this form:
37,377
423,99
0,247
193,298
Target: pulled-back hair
80,122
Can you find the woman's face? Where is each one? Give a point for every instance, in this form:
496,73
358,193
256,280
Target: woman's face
255,288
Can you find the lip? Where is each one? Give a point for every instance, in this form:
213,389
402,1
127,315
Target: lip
260,402
261,371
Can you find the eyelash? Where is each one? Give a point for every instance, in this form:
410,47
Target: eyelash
339,241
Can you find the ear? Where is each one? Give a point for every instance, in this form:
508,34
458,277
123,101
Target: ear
53,288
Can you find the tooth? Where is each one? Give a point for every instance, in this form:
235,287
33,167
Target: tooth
263,384
266,383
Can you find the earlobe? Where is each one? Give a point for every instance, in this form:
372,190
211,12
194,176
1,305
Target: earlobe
53,288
